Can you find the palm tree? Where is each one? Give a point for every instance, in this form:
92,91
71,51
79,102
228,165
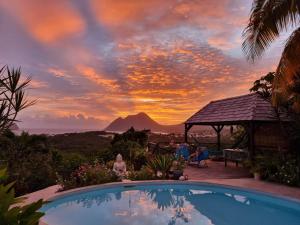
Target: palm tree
267,20
12,96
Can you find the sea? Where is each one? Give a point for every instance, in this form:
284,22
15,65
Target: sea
51,132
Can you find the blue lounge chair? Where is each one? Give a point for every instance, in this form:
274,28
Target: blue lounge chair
183,152
202,157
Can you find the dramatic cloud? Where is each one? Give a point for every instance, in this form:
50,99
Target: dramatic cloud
92,61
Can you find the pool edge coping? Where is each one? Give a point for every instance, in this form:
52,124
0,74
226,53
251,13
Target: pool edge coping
170,182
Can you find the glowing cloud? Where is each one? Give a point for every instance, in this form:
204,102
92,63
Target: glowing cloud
94,60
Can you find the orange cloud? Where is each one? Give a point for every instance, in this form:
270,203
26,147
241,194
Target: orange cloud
97,78
47,20
115,13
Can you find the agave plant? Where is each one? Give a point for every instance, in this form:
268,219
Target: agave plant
267,20
11,213
161,163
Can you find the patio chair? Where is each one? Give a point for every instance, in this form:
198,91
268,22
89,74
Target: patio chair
183,152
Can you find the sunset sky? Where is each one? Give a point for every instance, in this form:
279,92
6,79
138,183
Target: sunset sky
94,60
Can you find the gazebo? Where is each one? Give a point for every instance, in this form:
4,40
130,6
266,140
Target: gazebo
250,111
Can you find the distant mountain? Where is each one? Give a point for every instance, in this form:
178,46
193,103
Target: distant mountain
14,127
142,121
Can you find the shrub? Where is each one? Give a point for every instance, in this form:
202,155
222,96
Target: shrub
29,161
288,173
110,164
105,155
145,173
131,151
10,213
89,174
139,159
162,164
281,168
33,174
68,163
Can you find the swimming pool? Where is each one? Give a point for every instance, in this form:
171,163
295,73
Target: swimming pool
170,204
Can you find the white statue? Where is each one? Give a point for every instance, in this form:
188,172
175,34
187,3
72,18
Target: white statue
119,166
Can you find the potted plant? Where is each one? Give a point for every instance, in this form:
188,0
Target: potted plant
255,167
256,171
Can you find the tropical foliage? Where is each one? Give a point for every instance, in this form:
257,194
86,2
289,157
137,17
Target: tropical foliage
11,213
12,96
267,20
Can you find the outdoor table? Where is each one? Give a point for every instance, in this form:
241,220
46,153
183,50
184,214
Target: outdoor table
235,155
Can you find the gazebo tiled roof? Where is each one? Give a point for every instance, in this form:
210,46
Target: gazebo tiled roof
235,110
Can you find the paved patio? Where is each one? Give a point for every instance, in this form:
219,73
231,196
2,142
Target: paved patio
231,175
216,170
278,190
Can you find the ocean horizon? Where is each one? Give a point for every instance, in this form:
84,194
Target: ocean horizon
53,131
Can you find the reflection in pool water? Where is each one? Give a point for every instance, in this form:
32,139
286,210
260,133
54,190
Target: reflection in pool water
170,205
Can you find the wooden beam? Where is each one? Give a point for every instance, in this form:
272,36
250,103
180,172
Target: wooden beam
187,127
218,128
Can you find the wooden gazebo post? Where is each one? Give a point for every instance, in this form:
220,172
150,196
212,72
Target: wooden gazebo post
218,130
251,140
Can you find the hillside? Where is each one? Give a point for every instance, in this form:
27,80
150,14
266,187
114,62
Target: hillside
142,121
85,142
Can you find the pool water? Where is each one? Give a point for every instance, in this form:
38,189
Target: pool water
170,205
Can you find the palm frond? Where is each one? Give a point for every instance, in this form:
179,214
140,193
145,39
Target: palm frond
287,78
12,96
267,20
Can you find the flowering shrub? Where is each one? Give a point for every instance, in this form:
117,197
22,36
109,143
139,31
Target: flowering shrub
288,173
89,174
278,168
